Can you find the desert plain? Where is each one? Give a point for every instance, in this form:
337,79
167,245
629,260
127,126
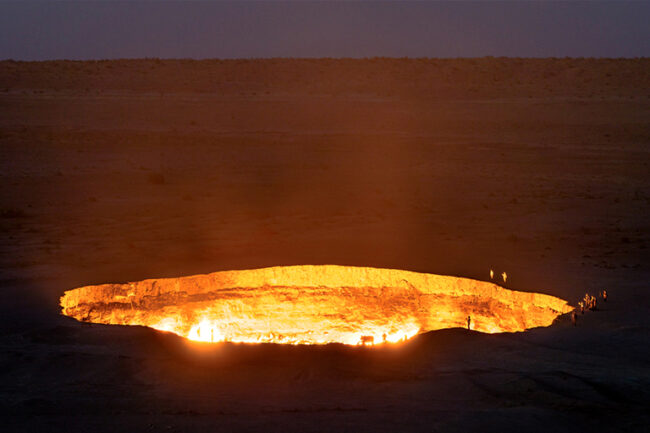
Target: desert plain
117,171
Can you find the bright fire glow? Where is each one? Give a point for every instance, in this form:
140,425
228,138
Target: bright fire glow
312,305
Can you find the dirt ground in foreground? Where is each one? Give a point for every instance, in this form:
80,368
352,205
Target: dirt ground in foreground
125,170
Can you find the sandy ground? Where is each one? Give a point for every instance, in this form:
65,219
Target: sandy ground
120,171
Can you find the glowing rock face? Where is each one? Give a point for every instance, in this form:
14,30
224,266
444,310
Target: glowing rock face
312,305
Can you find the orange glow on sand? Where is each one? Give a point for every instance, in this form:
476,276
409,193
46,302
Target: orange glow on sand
312,305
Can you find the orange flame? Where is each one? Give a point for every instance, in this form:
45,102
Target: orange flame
311,305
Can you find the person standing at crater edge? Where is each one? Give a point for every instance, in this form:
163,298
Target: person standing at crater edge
469,321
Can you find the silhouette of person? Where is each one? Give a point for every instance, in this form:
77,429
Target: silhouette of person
469,321
574,318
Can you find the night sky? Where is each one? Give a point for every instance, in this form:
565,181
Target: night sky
32,30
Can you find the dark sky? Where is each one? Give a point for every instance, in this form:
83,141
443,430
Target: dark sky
31,30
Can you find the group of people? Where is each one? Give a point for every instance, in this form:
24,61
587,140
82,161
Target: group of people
589,302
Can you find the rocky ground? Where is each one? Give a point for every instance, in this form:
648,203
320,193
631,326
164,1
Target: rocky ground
120,171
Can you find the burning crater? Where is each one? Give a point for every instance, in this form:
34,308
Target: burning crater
312,305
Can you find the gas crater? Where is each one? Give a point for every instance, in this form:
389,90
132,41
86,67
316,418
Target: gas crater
312,305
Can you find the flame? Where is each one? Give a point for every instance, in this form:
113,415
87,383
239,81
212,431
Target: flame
312,305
